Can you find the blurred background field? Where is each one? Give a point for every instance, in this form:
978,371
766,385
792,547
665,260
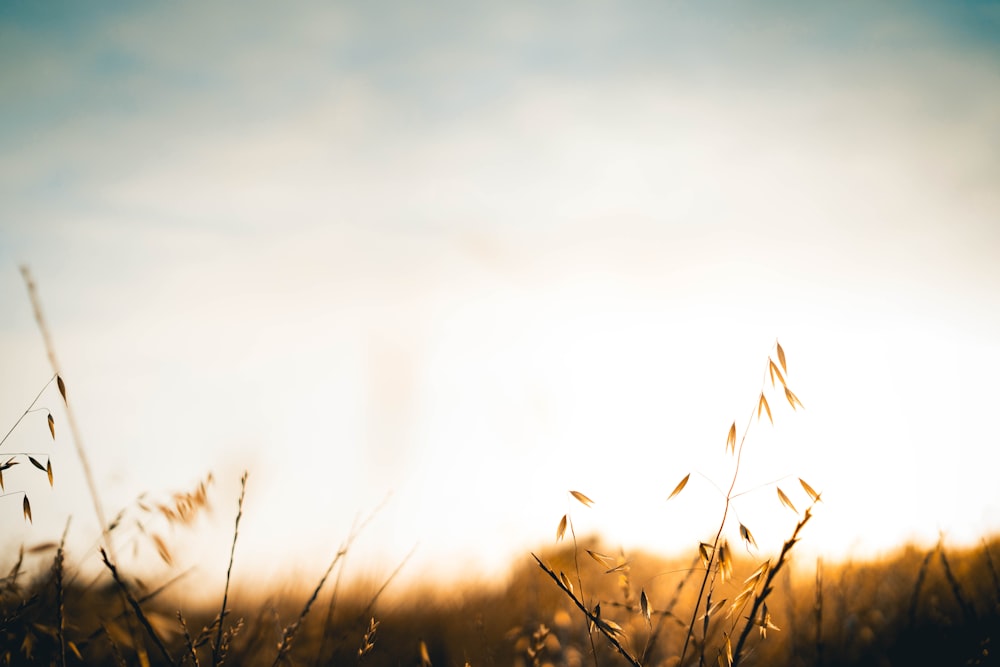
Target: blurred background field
937,606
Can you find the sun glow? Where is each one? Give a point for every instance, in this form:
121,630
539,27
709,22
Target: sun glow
455,302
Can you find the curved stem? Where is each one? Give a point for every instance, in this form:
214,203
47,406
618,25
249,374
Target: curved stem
27,410
715,543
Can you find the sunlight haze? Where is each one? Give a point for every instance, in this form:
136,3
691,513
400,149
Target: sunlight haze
447,263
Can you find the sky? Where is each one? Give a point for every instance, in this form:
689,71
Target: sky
445,263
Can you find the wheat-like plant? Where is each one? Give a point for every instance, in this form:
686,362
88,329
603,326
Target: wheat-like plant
33,458
748,608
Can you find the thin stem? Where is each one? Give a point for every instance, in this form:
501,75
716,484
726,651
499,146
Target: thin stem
722,524
217,649
385,584
669,608
921,573
145,598
137,609
579,583
27,410
188,642
342,554
761,486
767,588
598,622
715,542
356,529
60,595
968,611
288,634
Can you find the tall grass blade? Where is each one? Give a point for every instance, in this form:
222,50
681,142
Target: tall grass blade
217,655
70,416
137,608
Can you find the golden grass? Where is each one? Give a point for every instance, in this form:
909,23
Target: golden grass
903,606
718,629
714,605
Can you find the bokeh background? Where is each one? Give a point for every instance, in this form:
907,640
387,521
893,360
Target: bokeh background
460,259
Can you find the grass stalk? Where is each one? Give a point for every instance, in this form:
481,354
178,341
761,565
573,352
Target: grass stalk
143,600
819,612
993,573
137,608
968,612
217,655
579,583
791,626
356,530
918,584
57,567
334,594
70,417
668,611
328,621
716,556
385,584
188,642
599,623
709,575
289,632
756,611
116,651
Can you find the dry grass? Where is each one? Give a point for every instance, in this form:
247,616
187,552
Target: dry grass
903,609
719,623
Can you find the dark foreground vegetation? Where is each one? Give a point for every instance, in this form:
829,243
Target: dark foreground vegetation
934,607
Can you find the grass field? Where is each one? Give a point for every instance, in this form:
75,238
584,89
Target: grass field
575,601
939,607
